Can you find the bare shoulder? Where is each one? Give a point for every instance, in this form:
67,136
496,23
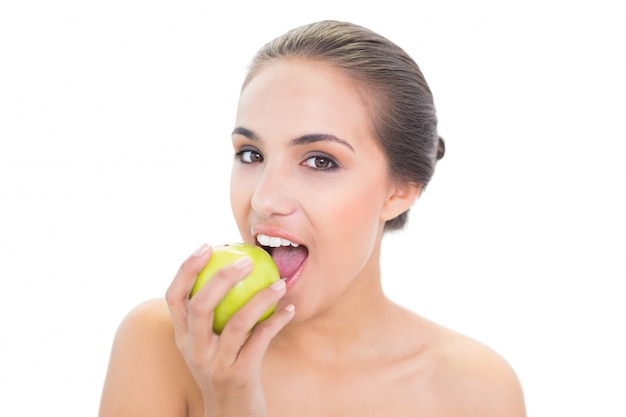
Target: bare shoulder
472,378
148,318
146,374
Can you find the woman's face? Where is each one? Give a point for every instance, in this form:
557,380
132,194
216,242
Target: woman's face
308,171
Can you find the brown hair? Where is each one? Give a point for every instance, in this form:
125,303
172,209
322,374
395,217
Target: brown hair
403,113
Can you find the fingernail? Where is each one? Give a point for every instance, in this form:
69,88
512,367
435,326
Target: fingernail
242,263
278,285
201,250
290,308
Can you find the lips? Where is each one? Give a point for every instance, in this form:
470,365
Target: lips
288,255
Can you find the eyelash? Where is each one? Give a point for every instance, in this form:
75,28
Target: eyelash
245,156
333,164
241,155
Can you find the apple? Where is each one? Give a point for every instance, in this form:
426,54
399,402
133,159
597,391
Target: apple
264,273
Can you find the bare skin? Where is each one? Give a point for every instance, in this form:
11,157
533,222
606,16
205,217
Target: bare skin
336,345
436,373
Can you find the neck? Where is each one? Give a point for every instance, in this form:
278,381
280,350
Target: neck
350,329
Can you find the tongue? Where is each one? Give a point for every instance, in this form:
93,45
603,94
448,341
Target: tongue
288,259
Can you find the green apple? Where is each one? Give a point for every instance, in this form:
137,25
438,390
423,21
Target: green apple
264,273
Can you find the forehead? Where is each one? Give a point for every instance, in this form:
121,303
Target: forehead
294,97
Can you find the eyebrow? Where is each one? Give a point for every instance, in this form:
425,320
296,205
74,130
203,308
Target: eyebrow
302,140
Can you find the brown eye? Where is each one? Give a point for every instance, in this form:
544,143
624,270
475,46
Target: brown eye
321,162
249,156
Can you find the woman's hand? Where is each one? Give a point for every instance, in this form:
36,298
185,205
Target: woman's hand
226,366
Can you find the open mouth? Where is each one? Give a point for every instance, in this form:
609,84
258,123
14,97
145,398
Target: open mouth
288,256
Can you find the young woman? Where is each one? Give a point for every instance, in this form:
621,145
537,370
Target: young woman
335,138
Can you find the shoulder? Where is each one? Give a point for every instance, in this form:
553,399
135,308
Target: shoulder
147,329
146,372
150,318
473,377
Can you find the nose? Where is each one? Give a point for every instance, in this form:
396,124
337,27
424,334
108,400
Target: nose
273,195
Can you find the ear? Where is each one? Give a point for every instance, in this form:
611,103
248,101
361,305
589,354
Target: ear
401,197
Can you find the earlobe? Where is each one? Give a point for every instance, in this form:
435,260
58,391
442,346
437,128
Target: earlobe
400,199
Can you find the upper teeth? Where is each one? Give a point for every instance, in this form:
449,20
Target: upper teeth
274,242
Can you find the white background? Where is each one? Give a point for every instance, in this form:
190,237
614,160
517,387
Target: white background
115,120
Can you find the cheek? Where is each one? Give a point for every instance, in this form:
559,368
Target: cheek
239,197
350,219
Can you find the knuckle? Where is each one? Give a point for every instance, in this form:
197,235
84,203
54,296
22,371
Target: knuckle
237,324
264,329
197,308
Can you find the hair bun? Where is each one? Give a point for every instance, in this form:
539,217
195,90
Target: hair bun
441,148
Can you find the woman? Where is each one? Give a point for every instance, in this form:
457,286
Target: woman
335,138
